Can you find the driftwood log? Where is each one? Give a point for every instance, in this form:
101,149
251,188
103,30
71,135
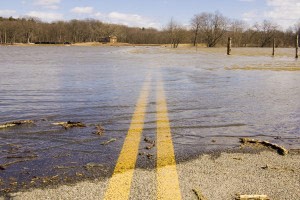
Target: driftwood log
281,150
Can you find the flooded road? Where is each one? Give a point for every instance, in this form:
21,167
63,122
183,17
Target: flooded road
211,103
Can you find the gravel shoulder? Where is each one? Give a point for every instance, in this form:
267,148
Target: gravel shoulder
217,178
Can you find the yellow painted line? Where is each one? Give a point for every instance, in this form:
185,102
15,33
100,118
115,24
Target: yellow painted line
167,177
120,183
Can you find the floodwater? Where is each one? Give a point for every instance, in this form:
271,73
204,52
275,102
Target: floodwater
212,102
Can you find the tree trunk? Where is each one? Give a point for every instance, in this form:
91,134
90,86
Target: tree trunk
273,52
297,45
229,46
28,38
196,36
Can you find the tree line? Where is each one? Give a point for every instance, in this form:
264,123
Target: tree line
209,29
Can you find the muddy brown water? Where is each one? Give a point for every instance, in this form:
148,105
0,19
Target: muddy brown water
210,106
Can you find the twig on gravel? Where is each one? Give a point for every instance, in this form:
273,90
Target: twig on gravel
199,195
252,197
278,168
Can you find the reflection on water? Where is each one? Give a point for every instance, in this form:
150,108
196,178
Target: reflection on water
210,107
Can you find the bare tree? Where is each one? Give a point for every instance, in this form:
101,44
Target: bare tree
209,28
11,31
237,30
176,33
28,26
213,27
196,22
265,32
170,29
296,27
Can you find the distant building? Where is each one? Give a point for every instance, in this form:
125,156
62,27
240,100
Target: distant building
113,39
110,39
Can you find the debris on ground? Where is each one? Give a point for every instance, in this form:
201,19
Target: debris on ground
91,165
109,141
237,158
70,124
281,150
44,180
14,162
78,174
16,123
278,168
199,195
64,167
148,140
61,155
148,155
252,197
99,130
21,156
266,167
2,167
150,146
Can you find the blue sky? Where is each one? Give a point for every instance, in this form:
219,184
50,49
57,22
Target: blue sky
154,13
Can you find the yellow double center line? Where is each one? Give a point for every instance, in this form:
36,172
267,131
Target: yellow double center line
167,178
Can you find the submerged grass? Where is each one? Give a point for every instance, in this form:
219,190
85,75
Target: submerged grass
264,68
279,65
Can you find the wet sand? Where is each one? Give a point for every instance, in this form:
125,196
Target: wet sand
218,178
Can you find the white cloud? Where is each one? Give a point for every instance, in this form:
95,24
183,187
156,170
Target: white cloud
46,16
49,4
251,16
83,10
7,13
284,12
127,19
